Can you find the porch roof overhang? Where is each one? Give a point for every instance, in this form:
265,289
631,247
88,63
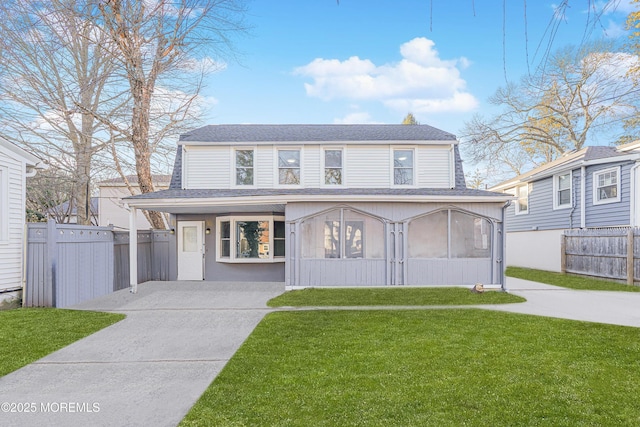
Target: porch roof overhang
274,200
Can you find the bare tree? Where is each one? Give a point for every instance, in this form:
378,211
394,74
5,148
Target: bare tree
160,44
54,79
581,93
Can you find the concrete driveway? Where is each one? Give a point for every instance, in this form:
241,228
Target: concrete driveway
147,370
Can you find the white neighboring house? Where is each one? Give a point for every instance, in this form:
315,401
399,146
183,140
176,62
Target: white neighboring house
15,166
111,210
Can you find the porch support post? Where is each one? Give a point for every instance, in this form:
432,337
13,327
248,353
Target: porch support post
133,251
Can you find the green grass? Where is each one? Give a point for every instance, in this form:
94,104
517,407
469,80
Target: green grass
426,368
27,334
399,296
569,280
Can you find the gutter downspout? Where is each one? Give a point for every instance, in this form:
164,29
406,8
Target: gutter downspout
583,202
634,200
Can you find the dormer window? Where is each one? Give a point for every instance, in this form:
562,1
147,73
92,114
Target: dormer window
244,167
289,167
403,167
333,167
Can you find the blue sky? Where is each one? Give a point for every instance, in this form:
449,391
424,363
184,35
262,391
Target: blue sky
369,61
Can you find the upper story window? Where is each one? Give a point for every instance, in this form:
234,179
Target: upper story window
250,239
289,167
403,167
244,167
522,202
606,186
333,167
562,191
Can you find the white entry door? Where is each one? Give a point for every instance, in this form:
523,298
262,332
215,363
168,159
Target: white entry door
190,250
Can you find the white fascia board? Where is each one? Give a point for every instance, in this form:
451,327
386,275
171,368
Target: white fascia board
266,200
25,156
565,167
387,142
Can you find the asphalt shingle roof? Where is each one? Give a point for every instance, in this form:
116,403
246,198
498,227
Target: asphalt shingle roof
210,193
281,133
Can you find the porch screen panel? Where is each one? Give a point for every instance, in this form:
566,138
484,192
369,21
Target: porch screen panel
428,236
470,236
321,236
363,236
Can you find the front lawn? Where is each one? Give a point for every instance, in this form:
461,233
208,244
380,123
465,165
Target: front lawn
27,334
569,280
385,296
426,368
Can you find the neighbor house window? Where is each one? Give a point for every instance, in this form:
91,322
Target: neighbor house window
562,191
289,167
250,239
403,167
342,234
606,186
333,167
244,167
449,234
522,202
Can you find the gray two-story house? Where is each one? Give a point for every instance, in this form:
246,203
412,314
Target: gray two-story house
589,188
328,205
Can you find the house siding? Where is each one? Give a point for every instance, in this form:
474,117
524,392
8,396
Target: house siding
434,167
11,242
610,214
207,167
542,216
365,166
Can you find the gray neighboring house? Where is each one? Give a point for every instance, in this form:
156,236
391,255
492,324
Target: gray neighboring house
328,205
15,166
589,188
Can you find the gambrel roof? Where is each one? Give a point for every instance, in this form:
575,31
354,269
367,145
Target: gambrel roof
316,133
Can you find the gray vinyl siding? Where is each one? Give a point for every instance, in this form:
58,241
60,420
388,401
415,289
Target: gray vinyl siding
397,268
542,216
610,214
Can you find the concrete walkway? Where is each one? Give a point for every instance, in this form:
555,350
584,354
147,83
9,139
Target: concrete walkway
149,369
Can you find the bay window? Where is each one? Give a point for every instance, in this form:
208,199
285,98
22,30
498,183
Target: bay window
250,239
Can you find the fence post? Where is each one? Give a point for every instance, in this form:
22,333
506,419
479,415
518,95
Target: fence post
563,253
630,269
52,260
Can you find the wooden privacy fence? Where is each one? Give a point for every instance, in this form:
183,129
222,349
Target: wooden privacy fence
67,264
612,253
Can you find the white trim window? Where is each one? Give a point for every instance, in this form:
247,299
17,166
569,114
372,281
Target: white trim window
244,167
333,166
522,201
562,197
606,186
254,239
289,169
403,166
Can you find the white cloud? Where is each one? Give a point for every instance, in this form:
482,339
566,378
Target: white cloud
355,118
420,78
621,6
614,30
